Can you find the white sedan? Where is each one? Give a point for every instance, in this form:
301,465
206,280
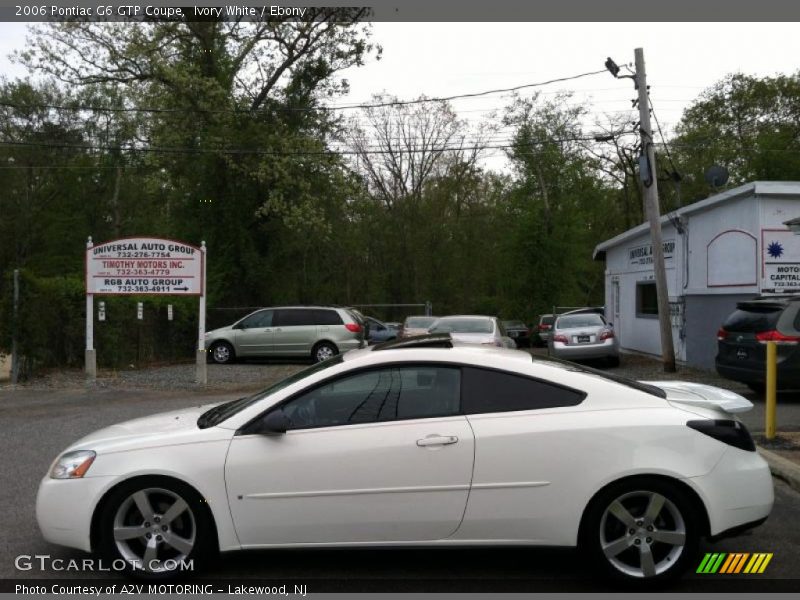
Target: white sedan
419,442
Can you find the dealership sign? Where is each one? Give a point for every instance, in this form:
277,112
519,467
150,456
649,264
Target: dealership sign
144,266
780,261
642,256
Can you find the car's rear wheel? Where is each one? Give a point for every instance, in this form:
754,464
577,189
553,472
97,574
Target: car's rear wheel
324,351
644,531
156,526
223,353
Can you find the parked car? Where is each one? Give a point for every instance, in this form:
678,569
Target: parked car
519,332
466,445
379,331
474,329
583,335
318,332
543,329
417,325
741,341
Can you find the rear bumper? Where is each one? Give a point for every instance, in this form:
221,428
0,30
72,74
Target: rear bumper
737,493
788,376
569,352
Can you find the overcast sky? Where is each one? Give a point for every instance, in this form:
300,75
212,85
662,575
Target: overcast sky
443,59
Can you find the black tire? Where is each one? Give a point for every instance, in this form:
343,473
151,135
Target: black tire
678,513
190,525
612,361
222,353
324,351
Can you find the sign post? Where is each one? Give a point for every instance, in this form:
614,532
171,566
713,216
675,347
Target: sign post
90,357
141,267
201,375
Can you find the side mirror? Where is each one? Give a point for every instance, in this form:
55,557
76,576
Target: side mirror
274,423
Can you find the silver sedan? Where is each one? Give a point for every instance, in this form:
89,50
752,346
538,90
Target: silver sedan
474,329
582,336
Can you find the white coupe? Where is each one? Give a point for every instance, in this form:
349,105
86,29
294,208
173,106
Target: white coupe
420,442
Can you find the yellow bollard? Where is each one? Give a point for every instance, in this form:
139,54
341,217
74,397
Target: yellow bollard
772,380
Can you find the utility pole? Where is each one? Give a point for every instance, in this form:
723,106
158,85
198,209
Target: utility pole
647,173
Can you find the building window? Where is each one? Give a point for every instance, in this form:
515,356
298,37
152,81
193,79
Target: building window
646,299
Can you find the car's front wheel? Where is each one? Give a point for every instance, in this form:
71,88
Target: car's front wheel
158,526
644,530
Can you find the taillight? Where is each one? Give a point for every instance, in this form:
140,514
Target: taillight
560,338
354,327
722,334
544,327
607,334
732,433
776,336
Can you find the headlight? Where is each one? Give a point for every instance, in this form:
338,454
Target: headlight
73,465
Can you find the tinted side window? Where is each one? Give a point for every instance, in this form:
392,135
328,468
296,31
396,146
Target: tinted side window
293,317
488,391
327,317
408,392
262,318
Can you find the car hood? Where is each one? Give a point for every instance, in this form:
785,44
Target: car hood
163,429
219,330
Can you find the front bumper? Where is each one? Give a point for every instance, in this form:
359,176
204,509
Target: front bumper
64,509
737,493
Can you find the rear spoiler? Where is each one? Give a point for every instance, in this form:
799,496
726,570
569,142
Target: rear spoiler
698,394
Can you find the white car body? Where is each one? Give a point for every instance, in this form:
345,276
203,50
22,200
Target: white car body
523,477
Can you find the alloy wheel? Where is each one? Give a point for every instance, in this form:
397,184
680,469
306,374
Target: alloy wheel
222,353
153,527
642,534
325,352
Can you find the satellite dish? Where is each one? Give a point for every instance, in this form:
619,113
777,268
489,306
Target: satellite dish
716,176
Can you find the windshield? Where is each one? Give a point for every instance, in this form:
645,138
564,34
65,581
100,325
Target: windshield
576,368
576,321
463,326
419,322
221,412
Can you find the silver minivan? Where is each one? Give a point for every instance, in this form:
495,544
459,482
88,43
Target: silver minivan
318,332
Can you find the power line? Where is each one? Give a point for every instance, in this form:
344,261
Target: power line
136,109
674,173
245,151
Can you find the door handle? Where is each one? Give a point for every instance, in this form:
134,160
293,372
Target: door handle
437,440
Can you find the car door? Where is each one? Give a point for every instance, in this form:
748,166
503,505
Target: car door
375,456
254,334
521,486
295,331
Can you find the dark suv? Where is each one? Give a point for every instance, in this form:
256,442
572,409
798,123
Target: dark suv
742,351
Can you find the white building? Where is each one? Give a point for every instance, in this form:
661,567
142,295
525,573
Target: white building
729,247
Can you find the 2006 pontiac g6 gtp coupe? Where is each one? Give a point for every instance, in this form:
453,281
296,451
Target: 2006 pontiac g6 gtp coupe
420,442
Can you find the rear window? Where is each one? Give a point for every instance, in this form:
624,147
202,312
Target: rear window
631,383
513,324
463,326
547,320
582,320
753,318
419,322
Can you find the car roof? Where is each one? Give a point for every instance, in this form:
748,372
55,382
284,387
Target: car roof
466,317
